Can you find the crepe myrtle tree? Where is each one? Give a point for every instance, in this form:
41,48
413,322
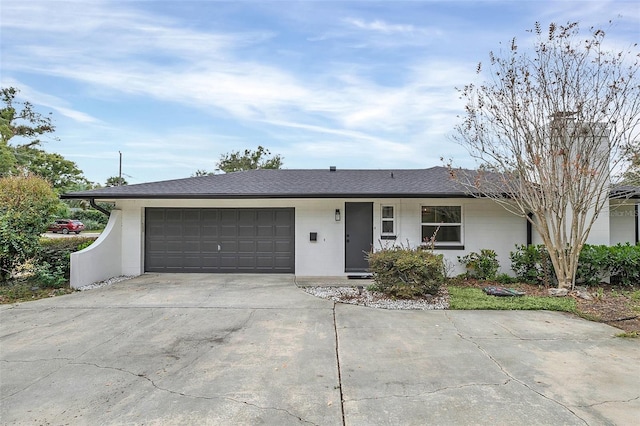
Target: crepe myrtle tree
546,127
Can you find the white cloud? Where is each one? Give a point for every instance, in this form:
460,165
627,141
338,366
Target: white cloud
381,26
49,101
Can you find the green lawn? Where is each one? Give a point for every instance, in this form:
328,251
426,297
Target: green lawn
462,298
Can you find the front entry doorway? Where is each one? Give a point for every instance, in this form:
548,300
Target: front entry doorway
358,236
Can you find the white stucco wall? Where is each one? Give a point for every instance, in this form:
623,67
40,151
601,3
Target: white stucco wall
485,225
101,260
623,219
600,231
120,250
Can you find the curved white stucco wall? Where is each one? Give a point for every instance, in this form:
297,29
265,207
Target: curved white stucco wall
101,260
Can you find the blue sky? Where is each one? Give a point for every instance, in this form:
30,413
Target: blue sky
175,84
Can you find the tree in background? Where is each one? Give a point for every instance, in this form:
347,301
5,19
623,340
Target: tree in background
115,181
201,172
27,206
249,160
61,173
22,122
21,132
546,126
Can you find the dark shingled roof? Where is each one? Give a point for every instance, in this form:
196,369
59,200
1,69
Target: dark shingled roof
285,183
625,191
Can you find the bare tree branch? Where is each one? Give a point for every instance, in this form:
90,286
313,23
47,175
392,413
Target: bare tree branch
547,126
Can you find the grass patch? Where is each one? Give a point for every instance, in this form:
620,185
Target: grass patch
629,335
461,298
26,291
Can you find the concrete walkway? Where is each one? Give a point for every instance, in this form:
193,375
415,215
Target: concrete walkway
247,349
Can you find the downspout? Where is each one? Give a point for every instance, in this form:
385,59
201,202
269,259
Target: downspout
92,202
530,230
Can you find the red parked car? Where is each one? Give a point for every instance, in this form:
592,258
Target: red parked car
66,225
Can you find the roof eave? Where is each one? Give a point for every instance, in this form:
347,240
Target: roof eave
183,196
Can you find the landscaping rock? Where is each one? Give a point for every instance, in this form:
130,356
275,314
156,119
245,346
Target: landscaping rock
583,294
501,291
558,292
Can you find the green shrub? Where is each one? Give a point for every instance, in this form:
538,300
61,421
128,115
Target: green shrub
525,261
483,265
624,264
406,273
55,253
532,264
27,204
92,224
621,262
505,279
593,264
49,276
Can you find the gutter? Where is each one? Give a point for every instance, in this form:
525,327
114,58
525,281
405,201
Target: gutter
293,196
92,202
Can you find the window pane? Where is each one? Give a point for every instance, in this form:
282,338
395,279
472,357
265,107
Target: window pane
387,227
441,214
387,212
446,234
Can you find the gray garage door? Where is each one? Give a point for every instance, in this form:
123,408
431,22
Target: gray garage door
219,240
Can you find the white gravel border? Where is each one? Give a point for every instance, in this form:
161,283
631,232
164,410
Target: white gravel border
105,283
364,297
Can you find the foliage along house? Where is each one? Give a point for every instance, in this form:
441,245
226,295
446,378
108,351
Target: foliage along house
305,222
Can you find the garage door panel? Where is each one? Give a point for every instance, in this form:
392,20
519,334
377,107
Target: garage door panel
265,246
281,263
246,262
246,247
208,231
227,230
245,231
173,230
191,247
283,231
174,246
173,215
190,216
191,231
265,231
228,216
219,240
228,246
283,246
209,247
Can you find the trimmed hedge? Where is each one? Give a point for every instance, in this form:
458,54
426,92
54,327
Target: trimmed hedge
620,262
406,273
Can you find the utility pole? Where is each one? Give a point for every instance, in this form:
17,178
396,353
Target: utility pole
120,170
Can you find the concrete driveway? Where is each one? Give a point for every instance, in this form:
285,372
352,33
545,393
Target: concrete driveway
254,349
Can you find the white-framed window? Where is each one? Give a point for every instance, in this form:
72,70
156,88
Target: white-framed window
388,218
445,222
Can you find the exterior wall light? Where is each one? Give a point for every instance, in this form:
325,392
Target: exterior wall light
337,215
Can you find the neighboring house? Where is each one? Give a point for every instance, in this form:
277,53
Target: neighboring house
303,222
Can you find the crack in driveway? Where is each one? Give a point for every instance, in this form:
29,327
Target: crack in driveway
186,395
431,392
506,373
